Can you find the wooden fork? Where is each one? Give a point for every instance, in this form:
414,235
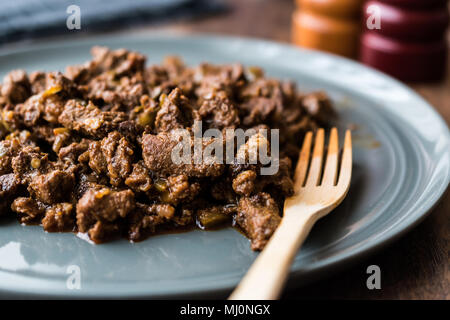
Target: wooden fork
316,194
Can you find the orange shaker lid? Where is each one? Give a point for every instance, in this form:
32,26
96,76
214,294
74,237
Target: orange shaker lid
335,8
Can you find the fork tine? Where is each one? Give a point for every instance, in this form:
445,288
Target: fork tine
302,164
316,162
346,163
330,171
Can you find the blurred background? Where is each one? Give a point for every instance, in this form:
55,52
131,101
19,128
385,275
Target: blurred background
407,39
390,35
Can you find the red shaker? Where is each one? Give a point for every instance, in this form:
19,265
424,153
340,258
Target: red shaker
406,38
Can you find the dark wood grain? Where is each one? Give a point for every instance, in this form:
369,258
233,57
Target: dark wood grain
415,267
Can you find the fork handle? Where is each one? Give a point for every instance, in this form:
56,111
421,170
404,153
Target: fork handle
266,277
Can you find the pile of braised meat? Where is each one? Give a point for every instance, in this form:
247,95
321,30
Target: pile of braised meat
88,150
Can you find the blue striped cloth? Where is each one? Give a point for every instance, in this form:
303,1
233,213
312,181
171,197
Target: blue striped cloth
22,19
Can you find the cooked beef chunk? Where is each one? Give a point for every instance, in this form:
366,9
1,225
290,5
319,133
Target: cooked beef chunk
30,111
157,154
247,181
219,112
28,209
258,216
8,149
29,162
9,186
180,190
16,87
211,78
139,180
48,104
281,180
185,217
176,112
102,230
146,218
249,152
88,182
59,217
96,149
90,120
100,212
113,156
244,183
97,160
105,205
38,82
73,150
263,102
53,187
118,95
319,106
113,77
122,62
119,155
131,130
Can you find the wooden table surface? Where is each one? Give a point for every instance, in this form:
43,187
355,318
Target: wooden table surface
415,267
